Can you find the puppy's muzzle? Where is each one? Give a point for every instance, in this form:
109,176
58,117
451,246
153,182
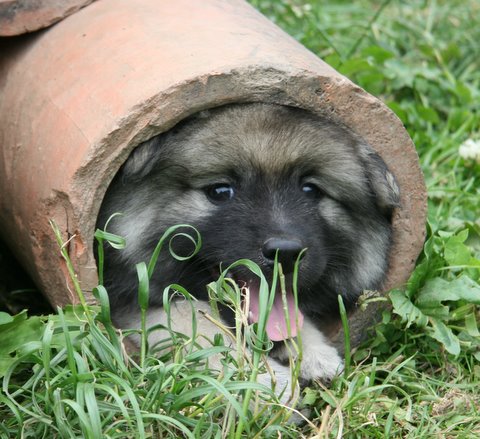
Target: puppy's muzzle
288,252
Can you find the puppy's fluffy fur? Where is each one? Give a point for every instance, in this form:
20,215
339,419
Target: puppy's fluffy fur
254,178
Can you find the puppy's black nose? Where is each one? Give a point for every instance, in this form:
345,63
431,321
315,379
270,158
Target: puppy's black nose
288,251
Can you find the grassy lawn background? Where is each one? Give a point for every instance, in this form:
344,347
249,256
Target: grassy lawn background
417,376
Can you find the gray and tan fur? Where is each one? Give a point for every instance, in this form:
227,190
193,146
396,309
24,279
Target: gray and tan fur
246,175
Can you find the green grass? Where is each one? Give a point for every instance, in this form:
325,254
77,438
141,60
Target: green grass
71,375
416,376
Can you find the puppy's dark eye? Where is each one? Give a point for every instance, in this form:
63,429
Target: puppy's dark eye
219,193
311,191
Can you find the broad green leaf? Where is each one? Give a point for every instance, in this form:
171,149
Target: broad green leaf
333,60
400,74
452,51
406,309
21,330
371,81
444,335
436,310
463,92
457,117
456,252
430,262
310,396
471,325
440,290
328,398
354,66
379,54
5,318
16,335
428,114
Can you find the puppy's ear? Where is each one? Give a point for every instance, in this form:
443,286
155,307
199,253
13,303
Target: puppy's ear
382,182
142,160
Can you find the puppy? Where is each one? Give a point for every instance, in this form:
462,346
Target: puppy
258,181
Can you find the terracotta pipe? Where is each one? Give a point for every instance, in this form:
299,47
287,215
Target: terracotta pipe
21,16
77,98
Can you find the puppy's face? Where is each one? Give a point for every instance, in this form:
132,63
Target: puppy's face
256,180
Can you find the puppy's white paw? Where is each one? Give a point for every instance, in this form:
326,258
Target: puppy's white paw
320,362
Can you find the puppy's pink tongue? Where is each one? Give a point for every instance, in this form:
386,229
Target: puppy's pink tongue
276,324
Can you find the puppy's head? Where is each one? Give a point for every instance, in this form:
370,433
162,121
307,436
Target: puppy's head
257,180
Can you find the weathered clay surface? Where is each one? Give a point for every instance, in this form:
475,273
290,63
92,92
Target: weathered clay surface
21,16
76,100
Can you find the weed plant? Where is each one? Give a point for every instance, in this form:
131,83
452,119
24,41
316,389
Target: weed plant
418,373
